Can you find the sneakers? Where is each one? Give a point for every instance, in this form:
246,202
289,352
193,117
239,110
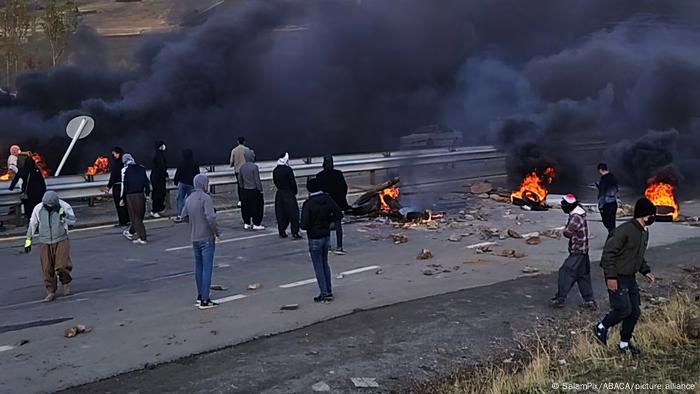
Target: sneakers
590,305
155,215
177,219
238,204
340,252
283,235
128,235
297,237
198,301
247,227
601,334
208,304
630,349
323,299
139,241
556,303
66,290
258,228
49,297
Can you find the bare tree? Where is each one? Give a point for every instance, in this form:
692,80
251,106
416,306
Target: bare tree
59,22
16,25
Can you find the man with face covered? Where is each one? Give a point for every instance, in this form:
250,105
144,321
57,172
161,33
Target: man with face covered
51,218
577,267
623,258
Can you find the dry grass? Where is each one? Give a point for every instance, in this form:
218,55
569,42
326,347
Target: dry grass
669,356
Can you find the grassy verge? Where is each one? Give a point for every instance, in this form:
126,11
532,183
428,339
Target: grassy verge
667,334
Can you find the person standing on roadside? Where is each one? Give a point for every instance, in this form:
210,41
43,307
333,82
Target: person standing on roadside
13,164
33,185
317,214
159,177
114,185
286,207
51,218
237,160
184,180
607,197
199,212
252,203
577,267
333,182
622,259
135,189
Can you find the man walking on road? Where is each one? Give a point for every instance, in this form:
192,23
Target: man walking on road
607,197
577,267
184,180
159,177
135,189
114,185
317,214
286,208
237,160
199,212
623,258
52,218
333,182
252,203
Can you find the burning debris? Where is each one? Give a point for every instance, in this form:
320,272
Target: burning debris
5,175
533,189
101,166
41,164
663,196
384,200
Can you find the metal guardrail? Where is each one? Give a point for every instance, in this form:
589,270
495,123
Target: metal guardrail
76,186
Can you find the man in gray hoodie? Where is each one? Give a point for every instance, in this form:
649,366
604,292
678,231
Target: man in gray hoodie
199,212
252,203
51,218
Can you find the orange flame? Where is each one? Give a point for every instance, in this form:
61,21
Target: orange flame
41,164
5,177
534,186
392,192
661,194
101,166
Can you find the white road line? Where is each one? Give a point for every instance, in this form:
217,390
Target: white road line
480,244
224,241
230,298
358,270
5,348
299,283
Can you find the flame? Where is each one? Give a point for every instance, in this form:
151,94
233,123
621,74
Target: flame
41,164
101,166
5,177
392,192
661,194
534,186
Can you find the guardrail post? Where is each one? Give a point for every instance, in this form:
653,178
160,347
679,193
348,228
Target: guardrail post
372,177
91,200
19,218
212,188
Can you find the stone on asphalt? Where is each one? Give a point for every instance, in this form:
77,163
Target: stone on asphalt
529,270
481,188
289,307
321,387
455,238
254,286
218,288
75,330
365,382
424,254
514,234
533,240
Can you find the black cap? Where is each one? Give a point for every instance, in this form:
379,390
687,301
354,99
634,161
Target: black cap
644,207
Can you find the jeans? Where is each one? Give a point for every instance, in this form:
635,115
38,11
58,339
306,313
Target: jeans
575,270
183,191
625,306
318,249
608,213
203,265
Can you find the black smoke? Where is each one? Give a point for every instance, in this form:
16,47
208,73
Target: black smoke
533,77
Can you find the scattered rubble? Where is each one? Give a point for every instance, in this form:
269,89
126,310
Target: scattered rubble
552,233
513,254
365,382
535,240
428,272
481,188
399,238
484,249
474,261
514,234
484,196
375,237
321,387
254,286
75,330
529,270
455,238
499,198
425,254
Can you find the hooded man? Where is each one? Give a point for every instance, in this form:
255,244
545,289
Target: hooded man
33,185
252,204
317,214
135,189
286,208
199,212
333,182
622,259
13,159
607,197
114,185
52,218
159,176
184,180
237,160
577,267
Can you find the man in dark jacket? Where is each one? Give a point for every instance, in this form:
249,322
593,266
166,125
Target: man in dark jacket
135,189
252,202
184,180
333,182
33,185
114,185
623,258
607,197
159,176
286,208
317,214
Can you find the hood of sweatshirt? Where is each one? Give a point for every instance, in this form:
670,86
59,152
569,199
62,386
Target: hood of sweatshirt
50,199
201,183
328,162
249,156
579,211
284,160
127,159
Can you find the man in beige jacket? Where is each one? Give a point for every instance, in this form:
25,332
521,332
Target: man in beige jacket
237,160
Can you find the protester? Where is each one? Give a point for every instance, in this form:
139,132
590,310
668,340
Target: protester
159,176
114,185
13,159
184,180
237,160
52,218
607,197
252,204
33,185
286,208
577,267
135,189
333,182
199,212
622,259
317,214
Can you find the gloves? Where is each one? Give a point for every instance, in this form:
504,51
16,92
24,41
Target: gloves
61,213
27,245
